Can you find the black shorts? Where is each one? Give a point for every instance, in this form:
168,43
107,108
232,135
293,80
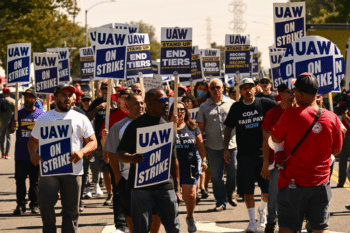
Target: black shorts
295,204
249,169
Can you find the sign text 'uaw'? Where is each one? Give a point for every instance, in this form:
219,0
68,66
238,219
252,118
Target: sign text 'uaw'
18,63
289,21
46,72
211,62
133,28
155,143
55,147
318,56
175,51
110,53
63,63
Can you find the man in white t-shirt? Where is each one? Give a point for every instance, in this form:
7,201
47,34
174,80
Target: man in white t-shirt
68,185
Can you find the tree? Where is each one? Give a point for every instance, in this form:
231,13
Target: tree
315,7
155,45
38,22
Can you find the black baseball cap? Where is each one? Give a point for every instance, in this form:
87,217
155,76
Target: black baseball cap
86,96
30,91
307,83
60,87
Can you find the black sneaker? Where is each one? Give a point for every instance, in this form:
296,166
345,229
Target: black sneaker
204,193
270,227
35,210
232,200
347,207
19,210
109,200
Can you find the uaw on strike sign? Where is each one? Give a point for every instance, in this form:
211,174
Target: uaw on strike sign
289,21
55,147
155,143
63,63
315,55
275,60
18,63
176,52
46,72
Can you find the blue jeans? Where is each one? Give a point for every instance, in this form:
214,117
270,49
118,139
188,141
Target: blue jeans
216,160
5,140
165,202
273,191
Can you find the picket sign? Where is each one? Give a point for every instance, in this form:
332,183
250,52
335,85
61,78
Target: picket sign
237,86
347,73
237,54
108,109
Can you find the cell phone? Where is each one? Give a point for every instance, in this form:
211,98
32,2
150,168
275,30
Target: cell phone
193,172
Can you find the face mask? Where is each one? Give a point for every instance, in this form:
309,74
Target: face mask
201,94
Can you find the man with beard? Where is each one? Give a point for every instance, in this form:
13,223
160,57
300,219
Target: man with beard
162,195
27,117
68,185
247,116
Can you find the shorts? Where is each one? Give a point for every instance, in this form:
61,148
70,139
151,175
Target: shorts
185,178
295,204
249,169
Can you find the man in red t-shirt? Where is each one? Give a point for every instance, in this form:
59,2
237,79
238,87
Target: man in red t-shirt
271,118
303,185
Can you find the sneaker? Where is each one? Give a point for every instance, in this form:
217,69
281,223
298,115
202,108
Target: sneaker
220,208
35,210
81,207
88,194
7,157
252,227
191,226
340,185
270,228
347,207
20,209
232,200
98,191
109,200
262,218
204,193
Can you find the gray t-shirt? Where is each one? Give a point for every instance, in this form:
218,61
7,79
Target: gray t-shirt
214,115
112,142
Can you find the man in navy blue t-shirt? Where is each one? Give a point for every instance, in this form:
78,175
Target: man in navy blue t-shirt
27,117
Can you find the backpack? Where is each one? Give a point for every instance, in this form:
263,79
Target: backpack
3,105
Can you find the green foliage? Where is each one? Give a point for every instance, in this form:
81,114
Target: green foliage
155,45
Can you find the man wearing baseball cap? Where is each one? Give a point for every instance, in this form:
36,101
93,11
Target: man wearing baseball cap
68,185
304,189
7,107
247,116
27,117
265,84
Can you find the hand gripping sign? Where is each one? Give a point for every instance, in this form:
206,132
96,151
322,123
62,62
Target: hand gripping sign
55,147
155,143
18,63
176,51
237,54
211,62
87,64
289,21
110,52
63,63
46,72
315,55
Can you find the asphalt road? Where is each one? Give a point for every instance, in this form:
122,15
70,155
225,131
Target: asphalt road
99,218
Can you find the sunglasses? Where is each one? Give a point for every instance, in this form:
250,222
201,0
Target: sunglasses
137,91
216,87
103,88
181,110
164,100
86,100
265,82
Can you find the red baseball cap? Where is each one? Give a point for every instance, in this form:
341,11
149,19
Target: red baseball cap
6,90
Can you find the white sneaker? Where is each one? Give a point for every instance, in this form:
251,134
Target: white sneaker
262,218
252,227
98,191
191,226
88,194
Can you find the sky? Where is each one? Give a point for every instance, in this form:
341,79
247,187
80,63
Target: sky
188,13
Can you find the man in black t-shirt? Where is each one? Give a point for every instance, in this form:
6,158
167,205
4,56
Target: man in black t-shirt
163,195
247,116
265,84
